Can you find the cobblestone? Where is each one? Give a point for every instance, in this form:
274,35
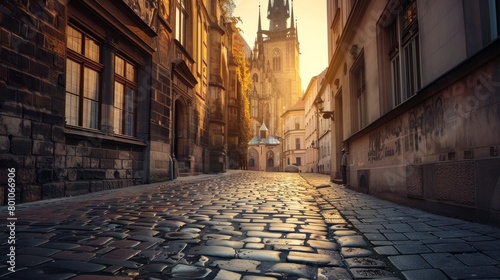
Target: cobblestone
247,226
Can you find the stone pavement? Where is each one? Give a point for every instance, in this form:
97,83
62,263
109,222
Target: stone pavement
418,244
243,225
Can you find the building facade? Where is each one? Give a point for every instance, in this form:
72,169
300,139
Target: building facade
315,134
274,68
414,87
322,105
98,95
311,126
264,152
294,136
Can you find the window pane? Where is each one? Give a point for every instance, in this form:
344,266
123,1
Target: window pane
90,84
118,111
119,66
129,112
410,14
117,122
130,75
72,92
130,100
119,89
91,96
71,109
72,77
74,39
90,113
91,49
178,25
396,84
409,71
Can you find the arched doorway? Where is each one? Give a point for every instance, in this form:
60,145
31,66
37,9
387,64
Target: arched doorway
270,161
181,138
253,159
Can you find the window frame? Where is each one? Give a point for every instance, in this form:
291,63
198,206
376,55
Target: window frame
129,87
297,143
181,16
298,161
83,61
404,54
358,79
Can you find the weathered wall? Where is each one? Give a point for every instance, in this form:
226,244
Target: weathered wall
443,149
51,161
32,94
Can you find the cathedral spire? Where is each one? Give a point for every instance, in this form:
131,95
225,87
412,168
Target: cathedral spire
260,24
278,12
292,24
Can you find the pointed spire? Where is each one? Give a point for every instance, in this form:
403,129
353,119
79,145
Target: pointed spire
292,22
287,5
260,24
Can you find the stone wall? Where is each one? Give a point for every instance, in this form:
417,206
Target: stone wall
32,87
50,161
440,149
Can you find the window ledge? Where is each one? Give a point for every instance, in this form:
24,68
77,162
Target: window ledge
96,135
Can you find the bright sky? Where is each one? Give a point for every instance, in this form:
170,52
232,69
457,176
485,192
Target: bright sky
310,16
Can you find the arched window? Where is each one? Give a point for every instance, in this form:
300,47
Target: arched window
276,60
251,162
255,78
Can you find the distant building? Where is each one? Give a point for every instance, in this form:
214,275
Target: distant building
294,136
414,89
264,152
311,125
274,68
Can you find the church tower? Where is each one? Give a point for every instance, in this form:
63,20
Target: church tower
278,13
274,68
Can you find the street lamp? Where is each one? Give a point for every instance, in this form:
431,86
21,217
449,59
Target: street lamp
319,103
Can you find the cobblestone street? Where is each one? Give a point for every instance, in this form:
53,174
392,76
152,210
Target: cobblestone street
243,225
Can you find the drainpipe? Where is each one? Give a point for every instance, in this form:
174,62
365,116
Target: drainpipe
172,121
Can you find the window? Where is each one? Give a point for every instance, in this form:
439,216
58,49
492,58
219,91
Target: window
199,46
83,72
359,89
180,22
494,10
298,161
124,97
205,50
404,54
297,143
276,61
255,78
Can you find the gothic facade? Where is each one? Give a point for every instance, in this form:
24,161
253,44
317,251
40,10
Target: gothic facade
274,68
98,95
